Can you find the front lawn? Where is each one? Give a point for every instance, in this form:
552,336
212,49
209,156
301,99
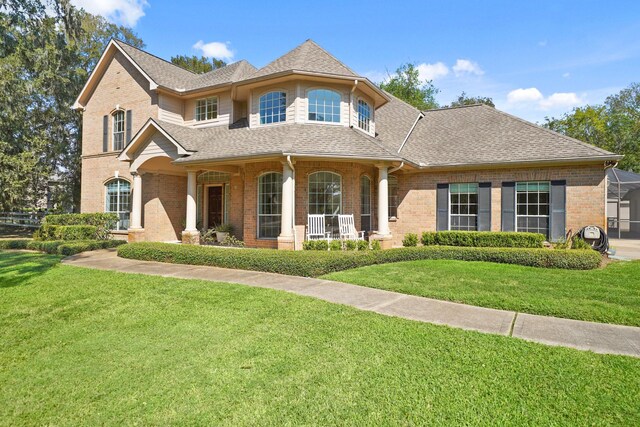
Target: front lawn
89,347
610,294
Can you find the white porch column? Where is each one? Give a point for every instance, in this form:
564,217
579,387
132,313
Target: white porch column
286,222
136,208
191,202
383,201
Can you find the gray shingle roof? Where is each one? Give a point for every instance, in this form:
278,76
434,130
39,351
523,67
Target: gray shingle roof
224,142
169,75
307,57
394,121
481,134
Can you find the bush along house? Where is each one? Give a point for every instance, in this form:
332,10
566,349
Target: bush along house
172,152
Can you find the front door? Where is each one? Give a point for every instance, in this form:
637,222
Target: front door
216,201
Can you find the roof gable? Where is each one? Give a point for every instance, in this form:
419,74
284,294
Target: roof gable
307,57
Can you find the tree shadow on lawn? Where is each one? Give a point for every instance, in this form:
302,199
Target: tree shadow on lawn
18,268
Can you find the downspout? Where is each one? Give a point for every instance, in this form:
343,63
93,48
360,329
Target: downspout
406,138
396,169
293,203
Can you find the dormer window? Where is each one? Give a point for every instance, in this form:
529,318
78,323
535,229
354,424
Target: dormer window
207,109
324,106
118,130
273,108
364,115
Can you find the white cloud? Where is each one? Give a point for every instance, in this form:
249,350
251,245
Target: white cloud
125,12
216,50
561,100
524,96
465,66
432,71
542,43
532,97
566,75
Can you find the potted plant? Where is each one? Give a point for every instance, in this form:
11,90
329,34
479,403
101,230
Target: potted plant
223,231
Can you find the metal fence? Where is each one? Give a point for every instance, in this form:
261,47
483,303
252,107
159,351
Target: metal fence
22,219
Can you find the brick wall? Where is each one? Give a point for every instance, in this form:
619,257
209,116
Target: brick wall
164,206
417,194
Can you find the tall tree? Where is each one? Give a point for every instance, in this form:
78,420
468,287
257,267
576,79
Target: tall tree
407,85
46,53
197,65
464,99
613,126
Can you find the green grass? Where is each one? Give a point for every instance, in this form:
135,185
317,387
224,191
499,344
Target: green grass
610,294
88,347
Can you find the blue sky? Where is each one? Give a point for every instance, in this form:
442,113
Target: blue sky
535,59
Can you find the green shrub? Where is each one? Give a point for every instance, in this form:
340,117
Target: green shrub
376,246
60,247
103,221
315,245
428,238
579,243
76,232
335,245
410,240
351,245
486,239
363,245
316,263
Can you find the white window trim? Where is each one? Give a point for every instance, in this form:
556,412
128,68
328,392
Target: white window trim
286,107
342,102
449,206
309,192
358,100
515,208
113,129
371,196
106,195
195,110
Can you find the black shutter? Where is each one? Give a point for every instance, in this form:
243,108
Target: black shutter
557,227
442,207
484,206
508,206
105,133
128,127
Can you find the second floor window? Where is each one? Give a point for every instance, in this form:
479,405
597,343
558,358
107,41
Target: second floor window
273,108
206,109
364,115
118,130
324,106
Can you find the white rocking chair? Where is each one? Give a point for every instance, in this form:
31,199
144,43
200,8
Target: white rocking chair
315,228
348,228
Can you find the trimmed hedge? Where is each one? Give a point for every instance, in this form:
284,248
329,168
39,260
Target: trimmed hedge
60,247
483,239
76,232
317,263
103,221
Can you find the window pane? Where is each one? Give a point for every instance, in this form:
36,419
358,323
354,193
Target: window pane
533,207
273,107
118,201
325,192
324,105
269,205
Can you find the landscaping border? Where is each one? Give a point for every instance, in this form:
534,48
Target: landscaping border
317,263
59,247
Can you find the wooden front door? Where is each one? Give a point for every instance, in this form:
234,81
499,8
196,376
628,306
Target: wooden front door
216,206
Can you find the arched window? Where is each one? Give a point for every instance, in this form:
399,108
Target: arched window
324,105
393,196
364,115
365,203
118,201
325,197
118,130
273,108
269,205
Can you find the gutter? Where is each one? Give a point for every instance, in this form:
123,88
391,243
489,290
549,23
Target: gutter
589,159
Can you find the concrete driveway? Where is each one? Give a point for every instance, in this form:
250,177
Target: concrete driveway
626,248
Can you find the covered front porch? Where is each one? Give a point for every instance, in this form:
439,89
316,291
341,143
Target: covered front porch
267,202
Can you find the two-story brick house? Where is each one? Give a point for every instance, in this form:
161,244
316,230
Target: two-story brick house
172,152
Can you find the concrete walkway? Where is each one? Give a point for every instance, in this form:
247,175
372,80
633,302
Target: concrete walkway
597,337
